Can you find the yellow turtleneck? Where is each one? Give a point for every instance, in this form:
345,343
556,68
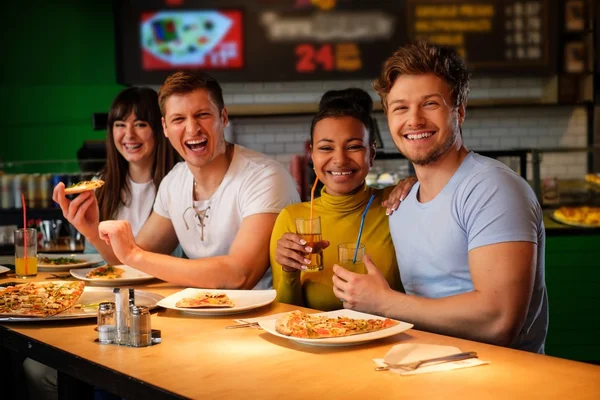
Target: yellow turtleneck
340,222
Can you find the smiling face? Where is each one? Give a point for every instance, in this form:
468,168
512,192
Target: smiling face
423,121
341,154
134,140
194,126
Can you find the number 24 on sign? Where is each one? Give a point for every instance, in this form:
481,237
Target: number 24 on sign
310,57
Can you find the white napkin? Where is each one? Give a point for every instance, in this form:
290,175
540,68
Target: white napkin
409,352
257,319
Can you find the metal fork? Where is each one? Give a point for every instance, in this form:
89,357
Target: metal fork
244,325
411,366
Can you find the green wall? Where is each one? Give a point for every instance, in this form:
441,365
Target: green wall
573,283
58,69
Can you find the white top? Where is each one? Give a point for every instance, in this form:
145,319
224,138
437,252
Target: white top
253,184
140,206
136,211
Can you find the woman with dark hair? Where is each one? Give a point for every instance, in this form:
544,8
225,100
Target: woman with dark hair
138,158
342,150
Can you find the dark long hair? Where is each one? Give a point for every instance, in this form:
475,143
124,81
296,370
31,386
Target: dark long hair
143,102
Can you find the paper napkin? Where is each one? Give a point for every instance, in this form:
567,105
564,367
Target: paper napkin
410,352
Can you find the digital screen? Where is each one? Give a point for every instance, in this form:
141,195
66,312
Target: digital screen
191,39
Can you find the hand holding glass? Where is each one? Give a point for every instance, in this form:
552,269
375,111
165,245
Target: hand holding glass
26,267
310,230
346,257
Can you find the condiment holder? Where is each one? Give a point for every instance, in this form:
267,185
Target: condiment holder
123,323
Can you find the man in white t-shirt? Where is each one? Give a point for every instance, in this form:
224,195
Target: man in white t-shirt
220,204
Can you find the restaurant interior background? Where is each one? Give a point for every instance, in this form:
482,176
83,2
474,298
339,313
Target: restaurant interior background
538,108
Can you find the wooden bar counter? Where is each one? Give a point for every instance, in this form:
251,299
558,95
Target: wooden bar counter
199,358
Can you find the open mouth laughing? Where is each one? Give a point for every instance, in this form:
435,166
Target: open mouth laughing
197,145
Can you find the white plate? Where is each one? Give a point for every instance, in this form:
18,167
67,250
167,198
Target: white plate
88,260
243,300
91,295
269,326
130,276
3,269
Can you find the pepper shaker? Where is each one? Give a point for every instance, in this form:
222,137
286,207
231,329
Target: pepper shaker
140,331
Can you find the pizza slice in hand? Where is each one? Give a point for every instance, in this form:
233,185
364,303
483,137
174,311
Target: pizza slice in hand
84,186
205,300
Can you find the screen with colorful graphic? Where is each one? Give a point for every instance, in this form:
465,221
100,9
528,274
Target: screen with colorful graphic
191,39
298,40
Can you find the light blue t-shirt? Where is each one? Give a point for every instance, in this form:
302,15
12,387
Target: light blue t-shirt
485,202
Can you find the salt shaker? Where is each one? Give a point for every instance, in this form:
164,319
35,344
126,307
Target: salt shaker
106,323
140,331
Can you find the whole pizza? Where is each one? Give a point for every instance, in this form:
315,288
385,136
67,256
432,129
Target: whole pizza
205,299
84,186
39,299
105,272
578,216
309,326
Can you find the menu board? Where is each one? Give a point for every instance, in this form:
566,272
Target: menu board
262,40
491,35
294,40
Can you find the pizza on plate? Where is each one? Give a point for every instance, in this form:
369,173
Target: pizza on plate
84,186
39,299
105,272
593,178
59,261
205,299
309,326
579,216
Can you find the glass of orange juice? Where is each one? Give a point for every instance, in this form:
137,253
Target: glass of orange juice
26,258
310,230
346,253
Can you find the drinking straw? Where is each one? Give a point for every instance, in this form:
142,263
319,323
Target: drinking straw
312,200
24,231
362,223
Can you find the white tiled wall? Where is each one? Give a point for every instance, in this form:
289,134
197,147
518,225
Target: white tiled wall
484,129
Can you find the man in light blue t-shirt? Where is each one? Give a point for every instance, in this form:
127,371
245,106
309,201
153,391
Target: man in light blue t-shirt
469,237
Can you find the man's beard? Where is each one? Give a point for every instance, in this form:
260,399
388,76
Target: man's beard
435,154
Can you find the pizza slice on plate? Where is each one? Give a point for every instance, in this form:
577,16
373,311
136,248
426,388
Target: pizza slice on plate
105,272
39,299
84,186
205,299
309,326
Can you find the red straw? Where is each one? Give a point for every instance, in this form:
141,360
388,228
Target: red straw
24,230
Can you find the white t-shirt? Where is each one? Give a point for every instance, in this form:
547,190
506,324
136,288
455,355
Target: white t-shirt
253,184
138,210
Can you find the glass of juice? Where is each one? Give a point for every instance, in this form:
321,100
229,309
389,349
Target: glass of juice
310,230
346,257
26,261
